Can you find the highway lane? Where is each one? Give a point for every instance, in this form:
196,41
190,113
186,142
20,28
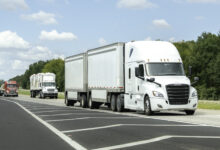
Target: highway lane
20,131
97,129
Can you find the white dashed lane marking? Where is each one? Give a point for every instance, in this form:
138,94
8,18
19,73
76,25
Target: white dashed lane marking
137,143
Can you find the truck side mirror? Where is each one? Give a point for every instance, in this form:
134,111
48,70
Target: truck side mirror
151,79
190,71
196,79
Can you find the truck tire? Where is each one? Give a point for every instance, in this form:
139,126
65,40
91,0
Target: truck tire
189,112
147,106
68,102
90,103
83,101
34,94
113,102
120,106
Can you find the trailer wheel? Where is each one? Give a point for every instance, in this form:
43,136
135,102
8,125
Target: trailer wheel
147,107
120,106
91,104
68,102
189,112
83,101
113,102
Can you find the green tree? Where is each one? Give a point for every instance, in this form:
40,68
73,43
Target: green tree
56,66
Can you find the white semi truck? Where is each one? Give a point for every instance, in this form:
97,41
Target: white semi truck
143,76
44,85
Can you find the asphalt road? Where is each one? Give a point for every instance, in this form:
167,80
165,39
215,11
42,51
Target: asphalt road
32,125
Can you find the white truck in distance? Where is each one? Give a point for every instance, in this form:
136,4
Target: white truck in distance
143,75
44,85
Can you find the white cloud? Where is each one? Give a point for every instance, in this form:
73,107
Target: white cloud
161,23
38,53
199,18
13,4
9,39
135,4
148,38
41,17
102,41
17,65
54,35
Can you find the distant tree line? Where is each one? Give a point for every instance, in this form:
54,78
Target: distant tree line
203,55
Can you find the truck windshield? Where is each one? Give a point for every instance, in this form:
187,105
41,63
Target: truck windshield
165,69
11,85
49,84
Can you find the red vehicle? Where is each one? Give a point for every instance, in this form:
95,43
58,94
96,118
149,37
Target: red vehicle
10,88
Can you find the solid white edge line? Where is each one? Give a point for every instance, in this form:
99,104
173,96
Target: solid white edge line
68,140
131,144
95,128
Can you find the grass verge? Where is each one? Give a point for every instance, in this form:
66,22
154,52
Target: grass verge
205,104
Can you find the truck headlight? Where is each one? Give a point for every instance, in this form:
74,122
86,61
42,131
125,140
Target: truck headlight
157,94
194,94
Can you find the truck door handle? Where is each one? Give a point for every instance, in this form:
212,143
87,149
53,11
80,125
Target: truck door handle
138,87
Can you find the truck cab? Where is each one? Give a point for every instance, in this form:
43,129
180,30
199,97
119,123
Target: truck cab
10,88
48,89
155,79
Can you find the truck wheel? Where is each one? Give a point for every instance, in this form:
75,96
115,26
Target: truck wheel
83,101
189,112
42,95
113,103
34,94
68,102
147,107
120,106
91,104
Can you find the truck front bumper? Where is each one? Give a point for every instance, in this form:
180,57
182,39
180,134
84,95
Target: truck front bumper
159,104
50,94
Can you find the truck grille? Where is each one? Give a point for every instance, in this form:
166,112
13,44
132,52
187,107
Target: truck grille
50,90
12,92
178,94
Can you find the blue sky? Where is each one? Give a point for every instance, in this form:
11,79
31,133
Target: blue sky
44,29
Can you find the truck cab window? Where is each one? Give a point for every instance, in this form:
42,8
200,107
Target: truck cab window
141,70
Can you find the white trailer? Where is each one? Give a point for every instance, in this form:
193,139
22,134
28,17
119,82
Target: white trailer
144,76
76,80
43,84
